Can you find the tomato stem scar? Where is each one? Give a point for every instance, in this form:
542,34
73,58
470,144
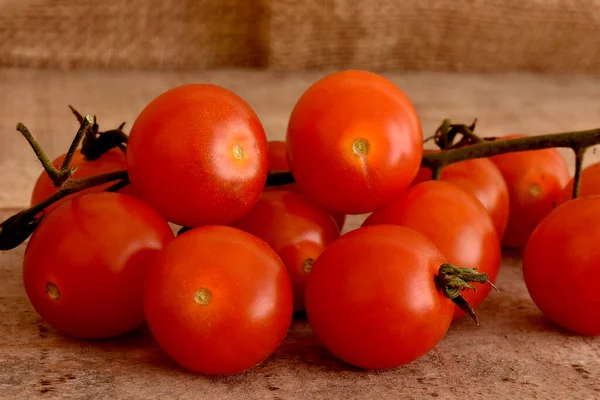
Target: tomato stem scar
52,291
307,265
361,147
238,151
203,296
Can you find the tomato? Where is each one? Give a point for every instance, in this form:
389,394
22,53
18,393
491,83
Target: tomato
354,142
455,222
535,180
85,264
278,156
560,265
198,154
278,162
218,300
371,298
588,185
482,179
111,161
296,228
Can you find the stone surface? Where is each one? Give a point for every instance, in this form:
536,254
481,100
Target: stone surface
515,353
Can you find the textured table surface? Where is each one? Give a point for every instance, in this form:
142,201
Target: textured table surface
515,353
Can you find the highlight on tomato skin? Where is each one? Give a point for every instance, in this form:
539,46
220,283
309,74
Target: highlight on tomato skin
535,181
296,228
111,161
456,222
198,154
560,265
371,298
218,300
85,265
354,142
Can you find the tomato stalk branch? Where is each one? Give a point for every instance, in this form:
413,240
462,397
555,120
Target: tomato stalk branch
17,228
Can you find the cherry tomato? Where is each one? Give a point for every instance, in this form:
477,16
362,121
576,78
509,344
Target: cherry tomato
278,162
455,222
296,228
482,179
111,161
560,265
371,298
535,180
218,300
588,185
198,154
354,142
278,156
85,265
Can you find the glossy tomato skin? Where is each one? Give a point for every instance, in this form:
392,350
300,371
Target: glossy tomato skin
198,154
111,161
560,265
455,222
85,265
218,300
589,184
354,142
371,298
296,228
480,178
278,156
535,180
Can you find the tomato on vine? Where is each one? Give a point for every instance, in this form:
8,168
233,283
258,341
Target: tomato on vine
590,183
85,265
561,265
198,154
296,228
354,142
456,222
218,300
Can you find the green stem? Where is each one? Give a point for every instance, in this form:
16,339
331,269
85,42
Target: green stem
452,280
579,153
57,177
17,228
84,128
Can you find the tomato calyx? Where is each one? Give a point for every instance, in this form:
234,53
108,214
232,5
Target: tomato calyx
95,143
451,280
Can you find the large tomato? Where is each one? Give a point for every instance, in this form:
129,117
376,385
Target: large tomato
482,179
455,222
354,142
535,180
85,265
371,298
296,228
198,154
561,265
218,300
111,161
589,183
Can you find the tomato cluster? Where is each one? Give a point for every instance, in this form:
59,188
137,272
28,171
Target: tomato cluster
220,297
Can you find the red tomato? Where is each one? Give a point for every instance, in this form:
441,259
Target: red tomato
354,142
198,154
85,265
278,156
480,178
218,300
111,161
296,228
535,180
588,185
455,222
371,298
560,265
